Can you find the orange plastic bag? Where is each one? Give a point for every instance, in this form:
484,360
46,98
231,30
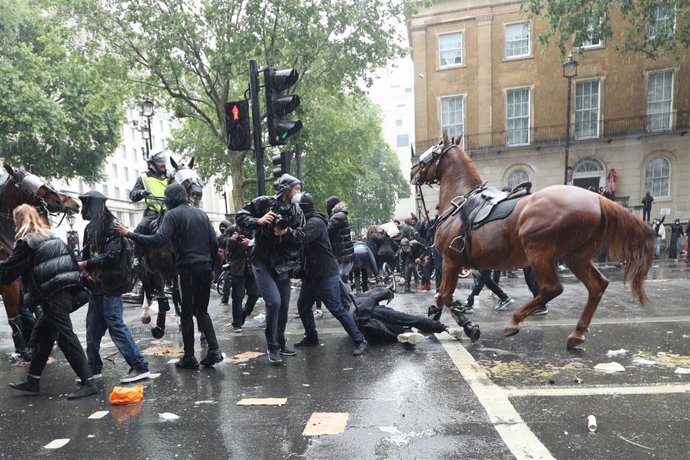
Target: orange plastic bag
127,395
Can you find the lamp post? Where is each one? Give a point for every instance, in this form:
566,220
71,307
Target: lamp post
569,72
145,126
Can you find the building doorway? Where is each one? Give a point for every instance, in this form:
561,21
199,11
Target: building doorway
589,173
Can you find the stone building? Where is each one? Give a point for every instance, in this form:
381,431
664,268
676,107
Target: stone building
479,71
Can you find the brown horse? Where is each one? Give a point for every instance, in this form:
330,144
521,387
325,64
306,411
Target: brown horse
563,222
19,187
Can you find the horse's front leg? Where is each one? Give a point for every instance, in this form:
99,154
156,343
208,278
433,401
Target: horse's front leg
449,282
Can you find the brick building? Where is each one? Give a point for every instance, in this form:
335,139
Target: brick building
479,71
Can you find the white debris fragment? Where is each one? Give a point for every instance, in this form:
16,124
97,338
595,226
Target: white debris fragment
682,371
205,401
56,443
643,362
609,368
614,353
98,415
168,416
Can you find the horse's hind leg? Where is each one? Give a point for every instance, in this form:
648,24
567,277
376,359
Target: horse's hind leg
596,283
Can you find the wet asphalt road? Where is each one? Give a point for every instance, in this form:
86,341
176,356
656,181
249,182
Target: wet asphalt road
434,401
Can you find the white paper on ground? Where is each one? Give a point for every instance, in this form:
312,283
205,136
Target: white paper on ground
325,423
262,401
643,361
168,416
614,353
609,368
98,415
56,443
682,371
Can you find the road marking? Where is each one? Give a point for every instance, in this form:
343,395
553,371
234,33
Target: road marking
597,322
517,436
596,391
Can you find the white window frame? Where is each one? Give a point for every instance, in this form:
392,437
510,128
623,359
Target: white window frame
589,44
506,42
515,172
649,182
441,65
652,117
657,19
522,117
445,125
588,110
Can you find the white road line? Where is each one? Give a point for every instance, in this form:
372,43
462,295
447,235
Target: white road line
595,391
523,444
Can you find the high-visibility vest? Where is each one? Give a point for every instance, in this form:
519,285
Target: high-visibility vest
156,187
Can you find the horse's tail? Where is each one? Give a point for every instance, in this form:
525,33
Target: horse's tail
631,241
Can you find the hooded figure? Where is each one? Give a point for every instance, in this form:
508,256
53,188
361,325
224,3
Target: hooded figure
285,183
196,247
340,235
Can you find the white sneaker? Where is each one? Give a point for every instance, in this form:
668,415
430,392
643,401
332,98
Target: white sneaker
134,376
318,314
455,332
95,377
413,338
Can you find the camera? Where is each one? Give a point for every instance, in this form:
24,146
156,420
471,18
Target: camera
281,223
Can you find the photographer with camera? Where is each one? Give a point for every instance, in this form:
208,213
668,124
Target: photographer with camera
277,223
238,252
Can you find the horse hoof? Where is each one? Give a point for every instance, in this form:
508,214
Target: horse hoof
157,332
574,342
146,319
510,331
473,333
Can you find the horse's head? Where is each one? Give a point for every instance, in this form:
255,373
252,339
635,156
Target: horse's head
35,191
427,168
186,176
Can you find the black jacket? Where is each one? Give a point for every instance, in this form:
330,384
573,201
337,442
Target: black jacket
278,253
190,231
45,265
319,260
105,258
238,255
339,233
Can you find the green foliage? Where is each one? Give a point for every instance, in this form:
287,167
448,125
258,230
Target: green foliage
59,110
193,56
574,21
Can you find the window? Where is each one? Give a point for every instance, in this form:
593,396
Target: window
517,116
658,177
117,193
517,177
134,154
398,122
587,109
659,100
593,39
450,49
403,140
105,189
453,115
123,149
517,40
661,21
127,191
114,171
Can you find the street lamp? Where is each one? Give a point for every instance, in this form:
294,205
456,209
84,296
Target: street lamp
145,126
569,72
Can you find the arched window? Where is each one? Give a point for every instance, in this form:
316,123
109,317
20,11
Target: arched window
517,177
658,177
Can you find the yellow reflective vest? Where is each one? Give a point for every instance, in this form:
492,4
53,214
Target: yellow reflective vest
156,187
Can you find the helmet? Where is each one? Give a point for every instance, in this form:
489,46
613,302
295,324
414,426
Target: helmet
159,158
92,195
404,242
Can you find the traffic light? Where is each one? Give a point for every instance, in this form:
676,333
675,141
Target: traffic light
279,104
237,124
282,161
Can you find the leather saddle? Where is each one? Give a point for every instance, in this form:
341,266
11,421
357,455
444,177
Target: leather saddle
490,204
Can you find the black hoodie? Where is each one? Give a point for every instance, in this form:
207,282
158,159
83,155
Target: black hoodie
190,231
319,260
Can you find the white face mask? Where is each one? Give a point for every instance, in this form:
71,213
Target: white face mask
296,198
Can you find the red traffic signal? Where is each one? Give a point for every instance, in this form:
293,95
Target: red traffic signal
237,125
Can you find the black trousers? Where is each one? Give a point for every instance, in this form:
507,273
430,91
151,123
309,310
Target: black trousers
405,320
55,324
195,289
531,280
484,279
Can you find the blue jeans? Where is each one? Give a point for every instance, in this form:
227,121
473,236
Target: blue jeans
275,290
657,246
328,290
105,314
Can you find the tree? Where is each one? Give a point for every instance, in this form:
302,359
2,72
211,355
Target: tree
195,54
649,27
59,110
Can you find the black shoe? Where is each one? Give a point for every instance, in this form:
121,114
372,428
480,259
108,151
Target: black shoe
134,375
224,300
307,342
88,388
361,348
187,362
287,351
434,312
274,357
540,311
468,307
212,357
30,385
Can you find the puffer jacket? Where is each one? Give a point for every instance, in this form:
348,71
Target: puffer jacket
280,254
339,233
53,269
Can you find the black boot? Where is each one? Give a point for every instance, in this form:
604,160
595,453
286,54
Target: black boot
30,385
212,357
88,388
472,330
187,362
361,348
308,342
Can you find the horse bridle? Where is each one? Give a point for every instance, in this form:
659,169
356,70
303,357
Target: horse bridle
433,155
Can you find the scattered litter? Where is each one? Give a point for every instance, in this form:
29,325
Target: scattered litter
614,353
164,350
347,368
609,368
325,423
172,361
592,423
389,429
686,336
168,416
56,443
126,395
305,385
634,443
669,332
644,362
682,371
154,375
243,357
577,380
98,415
91,436
245,373
206,401
262,401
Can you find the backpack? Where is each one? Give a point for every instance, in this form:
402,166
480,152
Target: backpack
126,261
